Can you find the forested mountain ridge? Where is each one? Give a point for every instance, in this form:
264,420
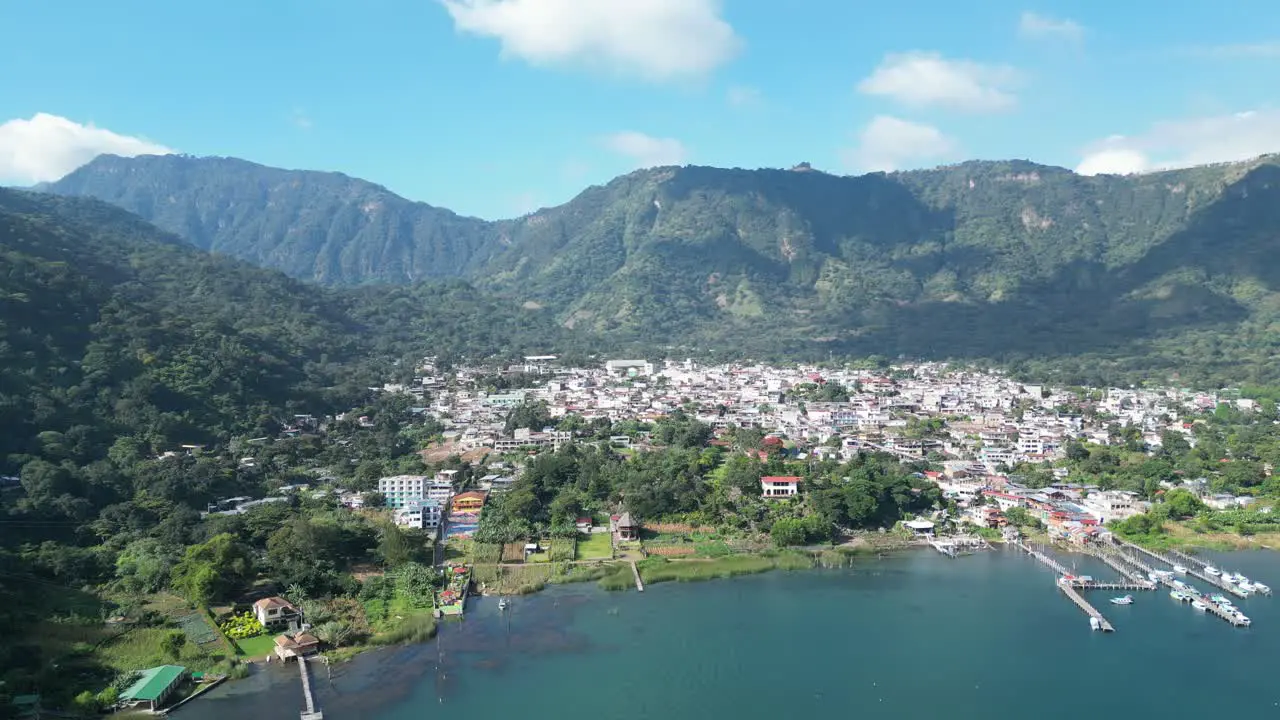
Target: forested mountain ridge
312,225
1009,261
110,328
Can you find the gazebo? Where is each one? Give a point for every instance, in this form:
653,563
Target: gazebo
628,528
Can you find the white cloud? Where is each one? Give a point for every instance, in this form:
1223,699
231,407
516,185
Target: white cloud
655,39
744,96
923,79
1033,26
1183,143
888,143
646,150
47,147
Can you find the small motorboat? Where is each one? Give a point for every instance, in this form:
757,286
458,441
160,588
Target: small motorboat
1126,600
1180,569
1261,588
1211,570
1246,587
1243,620
1199,605
1178,595
502,604
1094,624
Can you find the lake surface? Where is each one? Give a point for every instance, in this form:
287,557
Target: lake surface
911,636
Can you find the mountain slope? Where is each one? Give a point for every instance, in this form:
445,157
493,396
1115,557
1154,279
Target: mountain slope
317,226
1010,261
110,327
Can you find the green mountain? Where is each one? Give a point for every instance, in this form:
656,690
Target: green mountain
317,226
110,327
1007,261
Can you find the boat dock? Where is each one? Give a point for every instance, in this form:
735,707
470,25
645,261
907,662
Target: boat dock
952,546
1136,580
1196,569
311,713
1053,564
636,572
1098,585
1091,611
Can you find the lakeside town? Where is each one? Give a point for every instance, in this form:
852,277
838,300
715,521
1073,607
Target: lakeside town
983,425
976,456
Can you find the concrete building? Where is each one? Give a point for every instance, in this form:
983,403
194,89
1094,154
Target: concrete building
399,490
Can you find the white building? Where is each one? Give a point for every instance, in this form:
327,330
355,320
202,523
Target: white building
772,486
1108,505
422,515
400,490
629,368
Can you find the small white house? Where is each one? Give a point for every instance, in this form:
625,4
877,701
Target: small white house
777,486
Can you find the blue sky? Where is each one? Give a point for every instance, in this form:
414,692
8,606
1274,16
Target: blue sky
496,107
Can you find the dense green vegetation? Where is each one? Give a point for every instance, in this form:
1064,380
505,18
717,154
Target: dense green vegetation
312,225
1083,279
139,371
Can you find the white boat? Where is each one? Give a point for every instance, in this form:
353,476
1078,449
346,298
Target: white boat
1179,584
1211,570
1262,588
1126,600
1179,569
502,604
1198,605
1094,624
1243,620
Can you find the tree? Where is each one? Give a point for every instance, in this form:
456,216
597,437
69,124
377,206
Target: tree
211,570
172,643
1182,504
787,532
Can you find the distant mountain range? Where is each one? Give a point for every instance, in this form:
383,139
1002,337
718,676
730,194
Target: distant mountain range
1167,272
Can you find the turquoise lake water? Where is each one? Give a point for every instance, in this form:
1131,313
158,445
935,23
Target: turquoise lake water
915,635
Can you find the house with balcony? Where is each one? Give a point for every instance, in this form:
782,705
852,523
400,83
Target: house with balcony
777,486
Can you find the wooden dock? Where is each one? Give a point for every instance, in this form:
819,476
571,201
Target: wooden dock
1084,605
952,546
1098,585
311,713
1191,569
636,573
1050,562
1137,581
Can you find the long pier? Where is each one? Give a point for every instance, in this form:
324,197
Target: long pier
1191,570
311,713
1084,605
1053,564
636,572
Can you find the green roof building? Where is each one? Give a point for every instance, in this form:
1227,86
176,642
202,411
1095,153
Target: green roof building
154,686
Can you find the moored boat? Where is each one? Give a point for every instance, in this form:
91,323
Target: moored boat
1126,600
1262,588
1094,624
1211,570
1180,569
1199,605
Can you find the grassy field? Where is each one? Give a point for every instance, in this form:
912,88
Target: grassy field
256,647
594,547
140,649
657,569
1183,535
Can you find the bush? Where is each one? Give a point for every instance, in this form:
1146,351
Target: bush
242,626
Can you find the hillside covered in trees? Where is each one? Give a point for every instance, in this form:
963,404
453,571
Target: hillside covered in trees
1088,279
